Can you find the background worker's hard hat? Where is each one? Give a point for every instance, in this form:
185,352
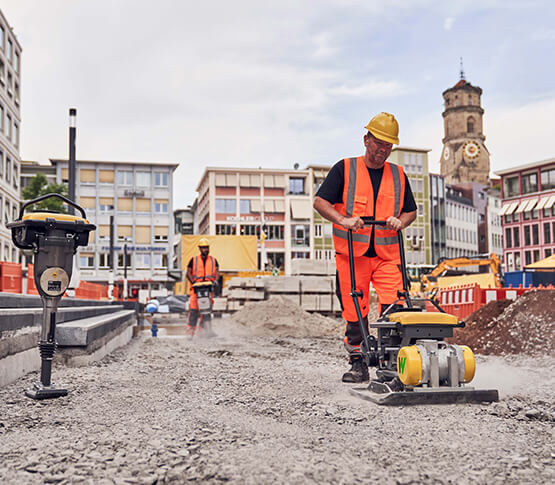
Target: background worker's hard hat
384,126
203,242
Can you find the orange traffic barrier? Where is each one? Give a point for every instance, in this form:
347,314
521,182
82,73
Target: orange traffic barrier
31,287
10,277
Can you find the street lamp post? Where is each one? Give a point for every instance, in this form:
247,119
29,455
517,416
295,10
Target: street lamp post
71,160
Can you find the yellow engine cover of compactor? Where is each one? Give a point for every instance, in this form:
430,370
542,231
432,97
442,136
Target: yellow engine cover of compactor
409,365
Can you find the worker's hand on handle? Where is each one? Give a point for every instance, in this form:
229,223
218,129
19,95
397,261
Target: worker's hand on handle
353,223
394,223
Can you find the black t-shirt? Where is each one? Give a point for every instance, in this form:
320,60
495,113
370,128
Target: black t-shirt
333,186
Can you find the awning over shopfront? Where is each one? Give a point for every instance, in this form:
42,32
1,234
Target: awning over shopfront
508,208
522,206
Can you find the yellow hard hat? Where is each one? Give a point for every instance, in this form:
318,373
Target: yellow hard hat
203,242
384,126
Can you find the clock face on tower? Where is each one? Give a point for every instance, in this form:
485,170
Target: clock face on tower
446,153
471,149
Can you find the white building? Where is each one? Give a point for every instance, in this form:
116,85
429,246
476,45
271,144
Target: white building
10,121
139,196
243,200
494,223
461,225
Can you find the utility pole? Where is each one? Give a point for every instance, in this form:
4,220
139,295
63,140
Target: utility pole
71,160
111,261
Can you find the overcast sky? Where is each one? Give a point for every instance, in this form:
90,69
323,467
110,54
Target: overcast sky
269,83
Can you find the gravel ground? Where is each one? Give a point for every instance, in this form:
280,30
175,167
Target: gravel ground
253,410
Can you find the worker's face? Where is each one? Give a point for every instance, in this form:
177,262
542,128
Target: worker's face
204,250
377,150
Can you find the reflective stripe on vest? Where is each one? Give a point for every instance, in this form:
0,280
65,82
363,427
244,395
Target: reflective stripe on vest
358,200
202,271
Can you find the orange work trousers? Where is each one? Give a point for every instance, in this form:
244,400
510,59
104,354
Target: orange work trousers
385,276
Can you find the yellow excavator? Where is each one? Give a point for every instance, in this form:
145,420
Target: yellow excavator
431,282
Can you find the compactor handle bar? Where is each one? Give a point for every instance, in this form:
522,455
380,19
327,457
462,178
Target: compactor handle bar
368,222
48,196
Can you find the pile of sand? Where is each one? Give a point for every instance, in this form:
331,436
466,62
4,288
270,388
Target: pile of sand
279,316
525,326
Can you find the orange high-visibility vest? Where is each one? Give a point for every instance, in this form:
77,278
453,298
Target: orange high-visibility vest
204,271
358,200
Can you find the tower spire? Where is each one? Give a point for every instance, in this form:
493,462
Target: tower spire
462,70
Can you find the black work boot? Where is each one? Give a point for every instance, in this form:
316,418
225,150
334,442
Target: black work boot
358,372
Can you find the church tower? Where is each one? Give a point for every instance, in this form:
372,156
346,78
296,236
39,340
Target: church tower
464,157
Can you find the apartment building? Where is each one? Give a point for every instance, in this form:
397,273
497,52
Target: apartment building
248,201
139,196
418,247
528,213
31,168
10,122
461,224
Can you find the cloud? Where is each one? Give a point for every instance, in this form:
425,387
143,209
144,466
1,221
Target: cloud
448,23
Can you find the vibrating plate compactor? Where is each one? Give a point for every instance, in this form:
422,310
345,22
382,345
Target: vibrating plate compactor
414,364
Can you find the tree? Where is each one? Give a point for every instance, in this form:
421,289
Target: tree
38,186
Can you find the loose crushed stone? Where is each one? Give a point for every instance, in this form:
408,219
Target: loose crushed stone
525,326
282,317
250,410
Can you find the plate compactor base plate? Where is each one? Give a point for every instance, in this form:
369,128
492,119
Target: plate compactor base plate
427,396
38,391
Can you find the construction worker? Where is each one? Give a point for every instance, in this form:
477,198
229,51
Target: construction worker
367,185
200,268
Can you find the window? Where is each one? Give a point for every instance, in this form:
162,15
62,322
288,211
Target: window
106,204
516,237
16,92
317,230
244,206
10,84
142,205
125,233
2,34
535,234
103,232
225,206
420,185
517,261
527,257
106,176
160,260
86,260
17,64
9,130
142,260
527,239
15,175
143,179
142,234
546,233
1,119
275,233
161,233
104,260
249,229
548,179
8,171
529,183
296,185
511,186
9,54
121,260
226,229
87,176
548,252
160,179
161,206
2,72
301,235
125,204
125,177
470,124
508,239
15,139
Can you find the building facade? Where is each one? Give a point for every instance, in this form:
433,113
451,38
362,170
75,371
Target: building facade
30,168
461,224
10,122
251,201
464,157
528,213
139,197
494,224
418,247
437,218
